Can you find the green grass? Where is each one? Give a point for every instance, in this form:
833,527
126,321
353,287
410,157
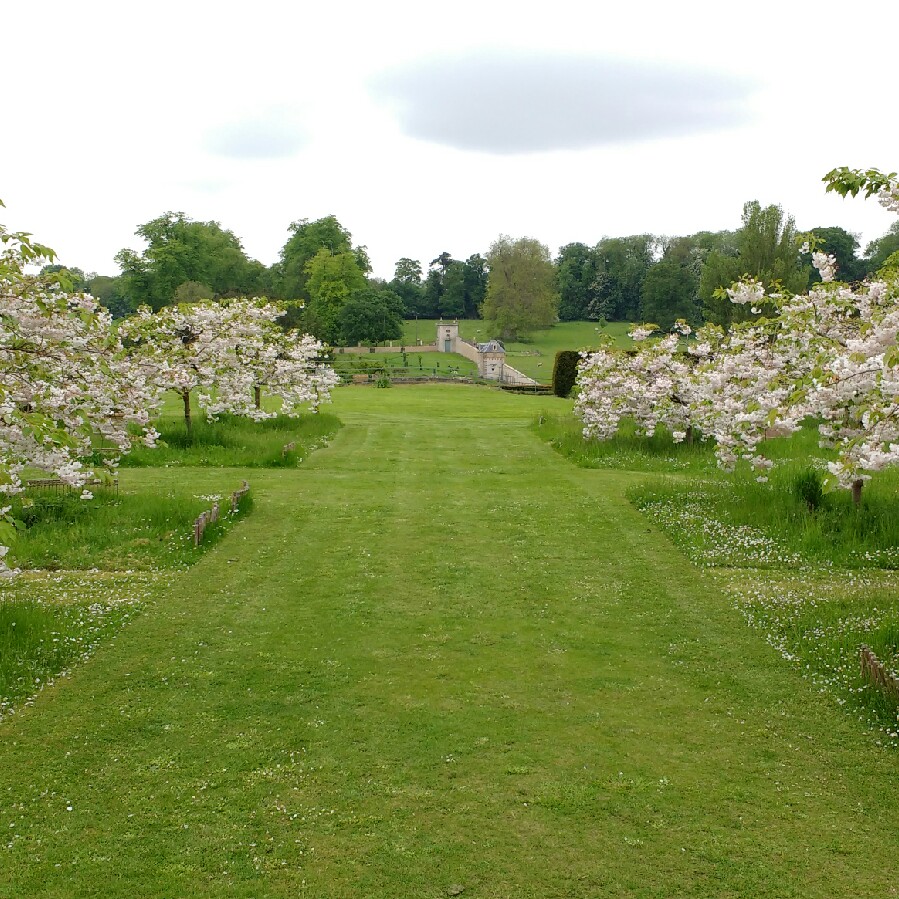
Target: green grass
234,441
626,450
412,365
731,519
439,655
818,625
132,529
50,623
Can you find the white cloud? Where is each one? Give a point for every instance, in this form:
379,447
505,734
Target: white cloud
504,102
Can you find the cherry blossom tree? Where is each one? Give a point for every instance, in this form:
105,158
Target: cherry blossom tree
653,385
64,380
743,382
829,355
227,352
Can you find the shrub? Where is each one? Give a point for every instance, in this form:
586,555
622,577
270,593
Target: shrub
565,372
808,487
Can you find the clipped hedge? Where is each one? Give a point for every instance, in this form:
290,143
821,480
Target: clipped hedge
565,372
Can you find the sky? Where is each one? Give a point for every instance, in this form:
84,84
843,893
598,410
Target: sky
436,127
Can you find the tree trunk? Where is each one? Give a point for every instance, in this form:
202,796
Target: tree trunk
857,491
689,438
185,396
257,394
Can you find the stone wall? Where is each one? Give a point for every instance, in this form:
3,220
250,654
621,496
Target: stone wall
411,349
491,365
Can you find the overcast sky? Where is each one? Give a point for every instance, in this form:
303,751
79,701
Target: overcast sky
436,127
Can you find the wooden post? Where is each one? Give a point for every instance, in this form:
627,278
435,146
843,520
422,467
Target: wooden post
185,398
876,673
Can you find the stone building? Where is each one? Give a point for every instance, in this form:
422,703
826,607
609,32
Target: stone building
490,357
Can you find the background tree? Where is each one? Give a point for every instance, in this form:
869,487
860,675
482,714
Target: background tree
192,291
435,286
442,262
878,251
452,300
291,274
670,288
69,278
407,284
622,264
331,278
767,250
522,295
476,278
576,268
110,292
179,250
370,316
454,289
840,244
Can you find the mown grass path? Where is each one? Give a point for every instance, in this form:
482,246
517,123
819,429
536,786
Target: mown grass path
439,656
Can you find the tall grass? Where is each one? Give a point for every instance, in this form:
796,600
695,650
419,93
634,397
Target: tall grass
626,450
734,520
114,532
235,441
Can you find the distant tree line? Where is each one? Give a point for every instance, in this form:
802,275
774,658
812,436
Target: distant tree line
327,283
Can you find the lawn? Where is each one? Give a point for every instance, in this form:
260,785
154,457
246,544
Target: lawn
822,596
439,659
404,365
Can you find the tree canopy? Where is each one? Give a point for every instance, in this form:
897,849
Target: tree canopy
307,239
622,264
669,290
878,251
331,278
178,250
843,246
370,316
767,250
522,295
577,268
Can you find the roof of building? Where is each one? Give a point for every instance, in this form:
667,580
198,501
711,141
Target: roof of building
492,346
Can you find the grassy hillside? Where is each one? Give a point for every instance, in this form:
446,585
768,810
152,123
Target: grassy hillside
534,356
